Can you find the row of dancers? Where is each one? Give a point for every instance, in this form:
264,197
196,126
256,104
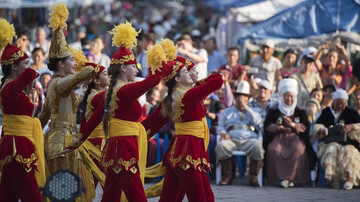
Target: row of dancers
110,147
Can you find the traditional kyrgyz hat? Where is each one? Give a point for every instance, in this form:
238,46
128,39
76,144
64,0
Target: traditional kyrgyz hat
156,59
81,61
58,47
124,36
11,53
188,63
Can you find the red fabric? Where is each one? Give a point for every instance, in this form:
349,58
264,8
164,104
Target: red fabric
98,68
188,63
119,57
17,184
195,184
14,101
170,69
128,109
124,181
10,53
187,145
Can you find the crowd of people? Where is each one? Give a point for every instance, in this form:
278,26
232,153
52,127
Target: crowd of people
291,117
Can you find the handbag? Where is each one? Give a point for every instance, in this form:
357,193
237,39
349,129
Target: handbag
335,135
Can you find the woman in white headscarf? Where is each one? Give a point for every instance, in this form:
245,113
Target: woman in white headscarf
286,139
339,158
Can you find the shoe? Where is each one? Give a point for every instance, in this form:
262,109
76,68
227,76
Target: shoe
284,183
291,184
348,185
336,185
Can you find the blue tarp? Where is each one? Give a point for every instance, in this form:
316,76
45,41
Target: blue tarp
217,4
312,17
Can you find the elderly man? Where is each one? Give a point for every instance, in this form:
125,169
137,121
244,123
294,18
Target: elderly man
238,129
267,64
338,129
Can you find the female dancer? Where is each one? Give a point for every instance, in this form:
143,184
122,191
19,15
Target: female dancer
61,103
21,148
186,161
125,152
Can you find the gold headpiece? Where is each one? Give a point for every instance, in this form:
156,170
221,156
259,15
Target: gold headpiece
59,48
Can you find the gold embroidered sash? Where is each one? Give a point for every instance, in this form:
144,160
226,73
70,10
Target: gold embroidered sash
198,129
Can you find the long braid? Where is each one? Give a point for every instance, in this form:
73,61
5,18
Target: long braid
6,69
167,103
87,93
114,71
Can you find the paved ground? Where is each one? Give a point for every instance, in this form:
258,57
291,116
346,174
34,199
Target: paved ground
240,191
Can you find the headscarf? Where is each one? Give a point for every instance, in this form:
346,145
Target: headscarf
288,85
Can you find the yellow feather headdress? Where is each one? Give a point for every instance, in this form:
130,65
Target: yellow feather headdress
58,16
155,58
124,35
169,48
7,33
79,58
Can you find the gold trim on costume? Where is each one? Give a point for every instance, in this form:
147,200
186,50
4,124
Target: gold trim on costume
187,62
127,164
89,107
14,57
115,98
126,58
6,160
178,95
173,160
26,161
174,71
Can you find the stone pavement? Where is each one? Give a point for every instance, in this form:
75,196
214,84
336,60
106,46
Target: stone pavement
240,191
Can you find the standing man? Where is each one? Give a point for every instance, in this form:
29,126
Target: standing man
236,71
216,59
267,64
237,127
199,56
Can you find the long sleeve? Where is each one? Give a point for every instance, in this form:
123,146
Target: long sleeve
154,122
255,117
135,90
200,92
20,83
221,123
66,85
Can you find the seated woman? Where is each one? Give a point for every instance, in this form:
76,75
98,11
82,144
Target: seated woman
286,139
339,158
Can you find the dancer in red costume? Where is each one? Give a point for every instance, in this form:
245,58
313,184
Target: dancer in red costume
125,153
186,160
22,160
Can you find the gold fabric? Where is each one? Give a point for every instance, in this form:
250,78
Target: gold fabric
198,129
98,132
25,126
58,47
119,127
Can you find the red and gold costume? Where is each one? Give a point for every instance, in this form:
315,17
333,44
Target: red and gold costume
187,159
21,146
124,157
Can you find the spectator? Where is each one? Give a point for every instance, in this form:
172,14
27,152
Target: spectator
96,48
44,80
309,50
77,44
286,139
262,103
328,90
216,59
340,158
152,100
147,42
237,127
23,42
199,56
41,41
306,79
236,71
289,67
267,64
336,68
317,94
225,94
38,64
356,98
